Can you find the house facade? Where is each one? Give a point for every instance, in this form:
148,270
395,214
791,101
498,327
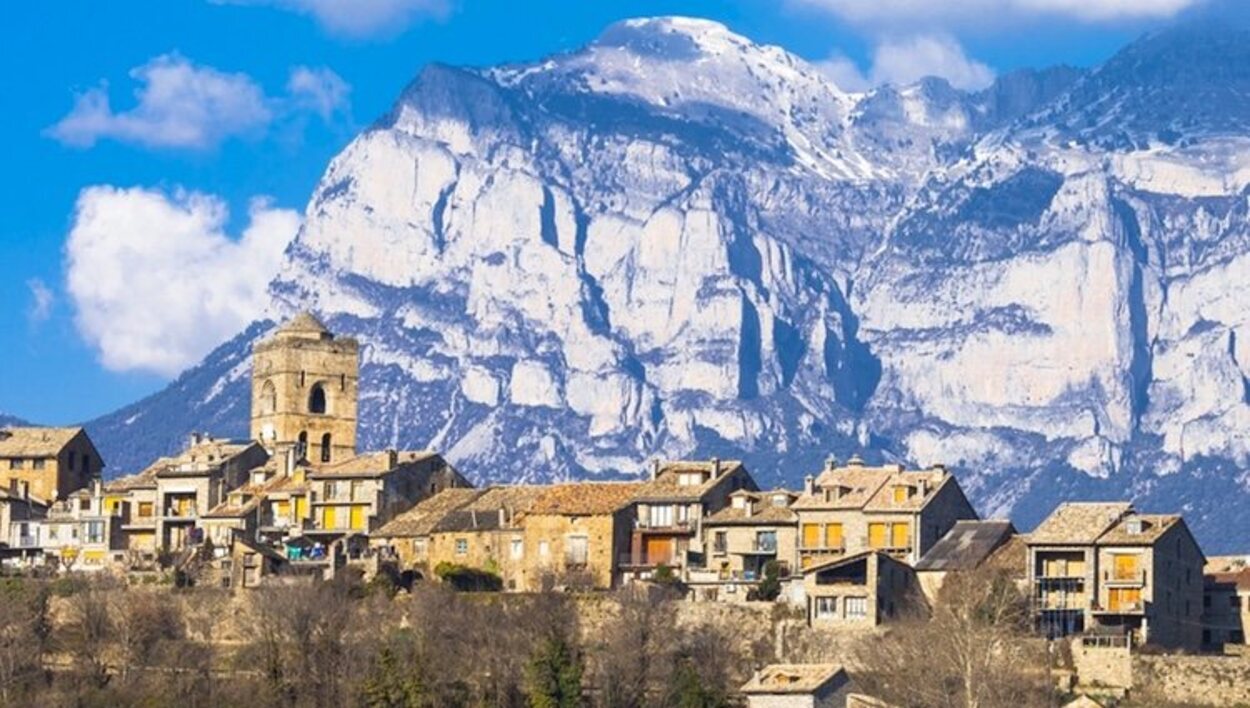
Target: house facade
670,511
575,534
798,686
47,463
1106,567
861,591
361,494
854,508
755,529
1226,604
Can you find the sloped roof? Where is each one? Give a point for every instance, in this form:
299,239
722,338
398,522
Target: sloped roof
140,480
1078,522
1152,526
1237,579
483,512
859,485
303,323
792,678
8,496
666,486
201,458
35,442
926,483
370,464
229,509
421,519
763,514
967,545
585,498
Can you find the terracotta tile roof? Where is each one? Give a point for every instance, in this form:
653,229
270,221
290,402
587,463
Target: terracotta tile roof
667,483
793,678
764,512
232,509
1078,523
421,519
967,545
585,498
140,480
849,487
483,513
201,458
370,464
1150,528
35,442
7,496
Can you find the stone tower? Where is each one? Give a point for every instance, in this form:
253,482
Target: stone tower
304,390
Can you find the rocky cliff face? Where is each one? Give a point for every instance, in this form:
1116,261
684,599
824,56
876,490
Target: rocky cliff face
677,242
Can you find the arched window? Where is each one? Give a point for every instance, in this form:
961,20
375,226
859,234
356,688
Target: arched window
325,447
268,399
302,449
317,399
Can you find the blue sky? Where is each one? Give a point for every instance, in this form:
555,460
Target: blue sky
248,100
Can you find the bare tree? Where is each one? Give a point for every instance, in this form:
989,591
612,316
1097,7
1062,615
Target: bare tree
23,636
974,651
634,656
88,635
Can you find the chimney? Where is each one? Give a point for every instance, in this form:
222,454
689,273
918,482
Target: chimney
655,468
809,484
503,518
831,462
392,458
715,467
195,439
748,509
97,486
855,461
292,457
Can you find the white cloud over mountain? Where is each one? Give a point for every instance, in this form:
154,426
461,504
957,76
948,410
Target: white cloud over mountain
180,104
914,13
156,281
903,61
358,18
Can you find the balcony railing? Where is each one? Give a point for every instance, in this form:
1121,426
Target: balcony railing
28,542
1133,577
649,525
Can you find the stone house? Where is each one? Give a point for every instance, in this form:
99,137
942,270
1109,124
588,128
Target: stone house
47,463
965,547
405,539
487,534
861,591
82,532
575,535
194,482
798,686
304,390
362,493
854,508
20,527
742,539
274,504
1225,603
670,510
136,494
1106,567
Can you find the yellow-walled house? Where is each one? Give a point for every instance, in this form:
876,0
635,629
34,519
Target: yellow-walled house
47,463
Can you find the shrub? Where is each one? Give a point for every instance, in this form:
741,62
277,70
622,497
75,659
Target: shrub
466,579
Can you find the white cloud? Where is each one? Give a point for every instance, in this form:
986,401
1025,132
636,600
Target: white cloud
41,301
179,104
358,18
319,90
155,280
928,13
903,61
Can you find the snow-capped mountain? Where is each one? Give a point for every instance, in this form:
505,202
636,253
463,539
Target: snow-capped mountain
678,242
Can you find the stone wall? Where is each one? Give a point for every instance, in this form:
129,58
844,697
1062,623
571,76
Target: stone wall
1192,680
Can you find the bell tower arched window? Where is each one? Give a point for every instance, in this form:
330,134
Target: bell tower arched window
317,399
268,399
303,444
325,447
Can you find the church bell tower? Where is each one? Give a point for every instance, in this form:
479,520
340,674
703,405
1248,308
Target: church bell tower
304,390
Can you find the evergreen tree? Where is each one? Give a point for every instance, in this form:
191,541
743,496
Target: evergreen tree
553,678
389,685
687,689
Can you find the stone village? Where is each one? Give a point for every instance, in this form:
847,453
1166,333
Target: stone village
858,546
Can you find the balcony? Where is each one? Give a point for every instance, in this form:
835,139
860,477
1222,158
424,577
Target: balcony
1134,578
1137,607
186,513
627,560
683,527
28,542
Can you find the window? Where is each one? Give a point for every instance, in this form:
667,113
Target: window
72,459
766,541
95,532
462,546
84,504
317,400
826,607
37,464
145,509
418,545
689,479
332,490
86,462
833,535
1234,602
811,535
325,447
876,535
543,549
855,607
53,533
357,490
268,403
901,493
661,516
15,463
518,548
900,536
781,500
302,447
576,550
720,542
